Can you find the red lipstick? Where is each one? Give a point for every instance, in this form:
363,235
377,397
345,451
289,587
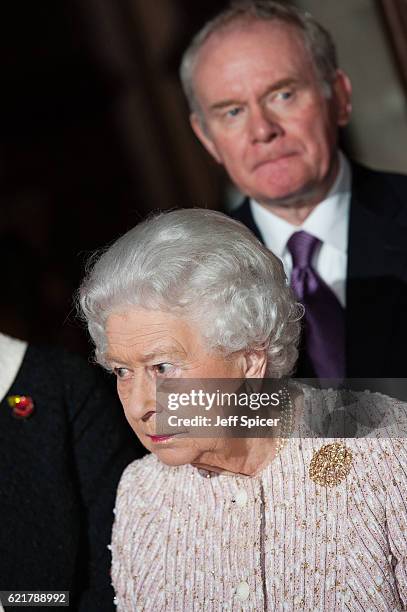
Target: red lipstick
158,439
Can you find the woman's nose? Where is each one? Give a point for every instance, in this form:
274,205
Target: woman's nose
141,401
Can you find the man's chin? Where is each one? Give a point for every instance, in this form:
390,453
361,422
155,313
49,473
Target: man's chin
297,188
289,197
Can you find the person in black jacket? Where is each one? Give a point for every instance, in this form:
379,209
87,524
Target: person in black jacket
267,99
64,443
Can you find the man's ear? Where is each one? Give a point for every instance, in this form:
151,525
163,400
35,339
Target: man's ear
202,135
342,91
255,363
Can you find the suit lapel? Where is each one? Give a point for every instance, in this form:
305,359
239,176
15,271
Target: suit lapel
244,215
377,262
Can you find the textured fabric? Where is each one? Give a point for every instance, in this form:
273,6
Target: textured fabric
324,316
186,539
59,471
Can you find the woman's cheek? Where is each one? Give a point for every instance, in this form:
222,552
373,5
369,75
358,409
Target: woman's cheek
123,393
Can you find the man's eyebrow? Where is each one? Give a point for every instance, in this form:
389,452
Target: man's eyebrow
224,104
274,87
280,85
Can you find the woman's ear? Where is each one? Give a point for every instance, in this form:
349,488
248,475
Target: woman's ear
255,363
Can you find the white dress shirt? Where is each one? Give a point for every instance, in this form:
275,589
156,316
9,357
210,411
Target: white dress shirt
328,221
12,353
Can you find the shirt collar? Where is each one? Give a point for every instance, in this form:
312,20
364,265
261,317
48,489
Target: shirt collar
12,352
328,221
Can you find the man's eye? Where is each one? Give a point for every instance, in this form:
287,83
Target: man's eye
121,373
163,368
284,95
233,112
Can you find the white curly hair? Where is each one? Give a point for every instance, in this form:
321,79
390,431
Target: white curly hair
202,266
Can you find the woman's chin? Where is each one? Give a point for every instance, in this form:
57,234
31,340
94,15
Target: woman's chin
172,456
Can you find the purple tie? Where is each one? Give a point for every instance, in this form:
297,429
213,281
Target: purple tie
324,331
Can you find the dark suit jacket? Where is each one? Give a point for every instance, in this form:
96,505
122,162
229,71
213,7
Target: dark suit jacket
59,470
376,285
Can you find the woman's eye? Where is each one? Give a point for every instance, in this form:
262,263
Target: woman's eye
163,368
121,373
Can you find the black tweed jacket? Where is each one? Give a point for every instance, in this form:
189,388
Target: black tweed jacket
59,470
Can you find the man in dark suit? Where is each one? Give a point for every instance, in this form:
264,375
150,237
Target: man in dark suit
267,99
64,444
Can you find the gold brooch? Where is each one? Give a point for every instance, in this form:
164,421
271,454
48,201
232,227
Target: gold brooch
330,465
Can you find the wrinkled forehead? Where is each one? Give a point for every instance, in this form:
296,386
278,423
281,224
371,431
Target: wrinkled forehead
238,35
141,333
249,56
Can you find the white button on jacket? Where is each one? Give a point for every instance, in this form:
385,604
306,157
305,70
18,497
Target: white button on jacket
241,498
242,591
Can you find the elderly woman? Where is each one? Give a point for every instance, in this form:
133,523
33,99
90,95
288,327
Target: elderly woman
223,523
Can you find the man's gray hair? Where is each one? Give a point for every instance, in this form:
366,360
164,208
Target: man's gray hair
316,38
206,268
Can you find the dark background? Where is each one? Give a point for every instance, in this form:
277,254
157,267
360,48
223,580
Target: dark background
94,135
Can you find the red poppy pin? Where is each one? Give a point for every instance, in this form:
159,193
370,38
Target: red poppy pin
21,405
